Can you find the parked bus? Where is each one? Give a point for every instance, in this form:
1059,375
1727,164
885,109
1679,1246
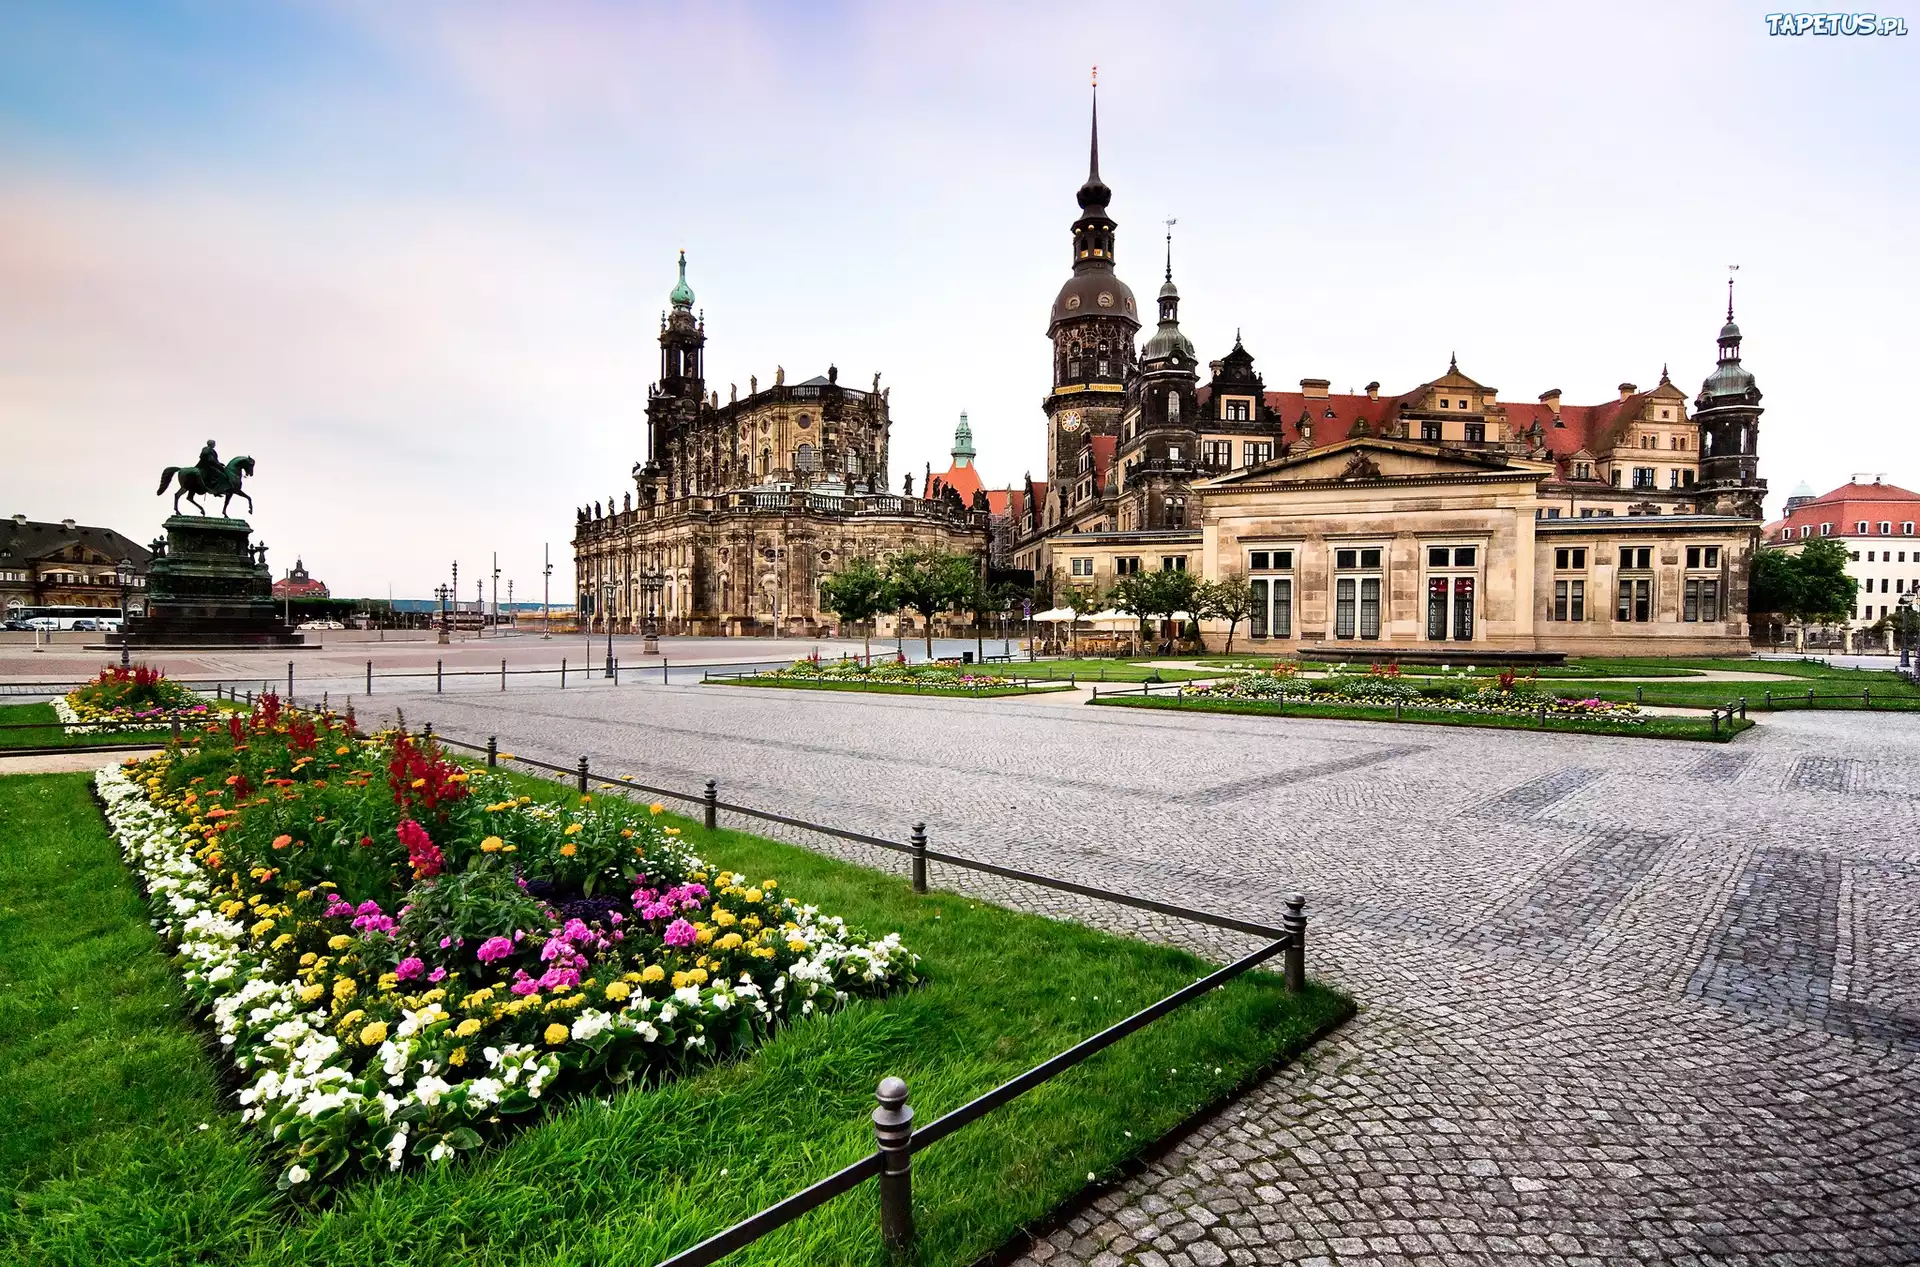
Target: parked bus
50,619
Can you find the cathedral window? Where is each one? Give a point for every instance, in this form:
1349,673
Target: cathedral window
803,458
1173,406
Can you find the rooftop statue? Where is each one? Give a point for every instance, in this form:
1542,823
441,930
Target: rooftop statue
209,477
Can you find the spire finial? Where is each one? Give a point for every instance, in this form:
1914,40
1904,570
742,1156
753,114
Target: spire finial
1731,270
1453,363
1663,372
1093,159
1170,223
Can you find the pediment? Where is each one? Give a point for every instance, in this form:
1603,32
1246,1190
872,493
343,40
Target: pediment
1375,459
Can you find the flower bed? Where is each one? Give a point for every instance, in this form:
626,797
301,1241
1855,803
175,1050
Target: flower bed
894,672
402,956
128,699
1384,687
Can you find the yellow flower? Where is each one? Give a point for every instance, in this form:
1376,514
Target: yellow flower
280,942
556,1034
656,808
769,885
671,831
617,991
261,929
697,975
419,783
626,833
680,979
467,1028
312,993
339,941
754,895
651,973
342,751
730,941
351,1019
306,960
491,844
569,849
374,1034
388,981
723,918
506,756
573,828
526,800
457,1057
704,936
586,800
798,945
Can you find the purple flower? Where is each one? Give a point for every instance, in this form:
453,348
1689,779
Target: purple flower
680,933
437,975
368,907
525,985
494,948
409,968
555,977
445,942
576,930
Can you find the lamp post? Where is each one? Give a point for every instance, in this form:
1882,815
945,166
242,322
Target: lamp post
546,593
453,594
1905,612
123,573
496,594
607,590
443,593
651,582
510,610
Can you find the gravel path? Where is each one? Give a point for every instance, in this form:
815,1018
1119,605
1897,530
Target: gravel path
1621,1000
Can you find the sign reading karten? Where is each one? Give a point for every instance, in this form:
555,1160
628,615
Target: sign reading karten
1834,24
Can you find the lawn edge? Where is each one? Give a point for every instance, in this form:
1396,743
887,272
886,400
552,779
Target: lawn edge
1220,707
1023,1240
991,692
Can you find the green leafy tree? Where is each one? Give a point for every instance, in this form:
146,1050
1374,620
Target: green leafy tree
1775,584
858,592
931,582
1230,599
1827,593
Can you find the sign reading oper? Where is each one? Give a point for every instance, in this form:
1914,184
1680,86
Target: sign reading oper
1834,24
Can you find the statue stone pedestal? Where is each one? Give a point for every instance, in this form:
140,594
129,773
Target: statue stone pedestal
207,590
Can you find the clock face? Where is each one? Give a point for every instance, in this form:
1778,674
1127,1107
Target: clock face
1070,420
1073,301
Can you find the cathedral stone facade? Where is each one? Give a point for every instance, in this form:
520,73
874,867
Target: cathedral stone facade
742,508
1439,515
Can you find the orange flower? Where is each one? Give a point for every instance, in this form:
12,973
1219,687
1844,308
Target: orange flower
569,849
281,842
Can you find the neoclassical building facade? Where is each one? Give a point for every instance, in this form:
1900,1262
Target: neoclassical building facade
1442,515
742,508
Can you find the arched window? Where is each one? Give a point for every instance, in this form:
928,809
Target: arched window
766,461
853,463
1173,406
803,458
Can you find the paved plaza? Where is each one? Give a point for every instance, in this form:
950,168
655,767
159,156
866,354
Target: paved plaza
1620,1000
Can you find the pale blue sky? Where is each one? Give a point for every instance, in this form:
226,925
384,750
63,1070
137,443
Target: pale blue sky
434,240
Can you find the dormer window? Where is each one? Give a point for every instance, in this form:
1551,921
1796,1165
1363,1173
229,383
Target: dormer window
1443,404
1237,411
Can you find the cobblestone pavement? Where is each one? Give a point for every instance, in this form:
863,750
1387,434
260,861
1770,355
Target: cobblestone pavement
1622,1001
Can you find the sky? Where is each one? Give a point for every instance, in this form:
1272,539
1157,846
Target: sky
412,257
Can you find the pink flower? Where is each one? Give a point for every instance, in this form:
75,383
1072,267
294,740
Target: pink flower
680,933
409,968
494,948
556,976
437,975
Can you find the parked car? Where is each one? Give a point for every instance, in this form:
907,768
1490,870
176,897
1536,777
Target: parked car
86,626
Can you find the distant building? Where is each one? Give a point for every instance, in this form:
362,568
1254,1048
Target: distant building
960,485
299,584
67,564
1876,523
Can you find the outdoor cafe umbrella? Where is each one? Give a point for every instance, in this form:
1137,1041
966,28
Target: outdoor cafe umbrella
1054,615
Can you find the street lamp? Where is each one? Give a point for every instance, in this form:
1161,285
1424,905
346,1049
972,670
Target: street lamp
453,594
546,593
652,582
123,573
1905,612
443,593
607,590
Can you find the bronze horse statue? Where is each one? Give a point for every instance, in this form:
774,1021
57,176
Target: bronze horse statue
195,482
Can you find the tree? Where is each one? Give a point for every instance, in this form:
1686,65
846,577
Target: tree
1174,590
1147,594
858,592
931,582
1230,599
1807,586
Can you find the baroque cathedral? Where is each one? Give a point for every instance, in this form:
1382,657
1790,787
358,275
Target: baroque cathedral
1436,516
742,508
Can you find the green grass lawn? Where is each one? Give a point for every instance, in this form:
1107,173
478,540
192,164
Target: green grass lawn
1652,728
1101,671
107,1087
1886,689
885,688
44,730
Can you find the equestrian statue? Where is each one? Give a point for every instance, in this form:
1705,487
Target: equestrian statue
209,477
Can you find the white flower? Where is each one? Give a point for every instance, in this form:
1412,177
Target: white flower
295,1174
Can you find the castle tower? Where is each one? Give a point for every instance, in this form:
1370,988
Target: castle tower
1092,327
674,406
1727,412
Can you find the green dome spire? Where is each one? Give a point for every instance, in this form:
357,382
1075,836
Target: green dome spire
963,442
682,294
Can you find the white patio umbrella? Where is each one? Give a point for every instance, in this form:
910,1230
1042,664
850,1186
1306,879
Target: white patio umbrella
1055,615
1111,619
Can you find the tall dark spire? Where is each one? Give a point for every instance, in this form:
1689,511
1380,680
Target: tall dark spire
1094,194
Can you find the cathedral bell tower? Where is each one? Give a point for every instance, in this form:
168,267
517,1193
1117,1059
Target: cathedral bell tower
673,407
1092,327
1727,412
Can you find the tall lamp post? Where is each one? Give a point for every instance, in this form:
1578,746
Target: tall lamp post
652,582
453,594
1905,612
546,593
607,590
123,573
443,592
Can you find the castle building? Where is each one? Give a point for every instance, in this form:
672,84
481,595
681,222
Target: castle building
1874,522
741,509
1441,514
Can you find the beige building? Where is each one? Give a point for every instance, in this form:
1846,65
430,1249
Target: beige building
1623,526
743,508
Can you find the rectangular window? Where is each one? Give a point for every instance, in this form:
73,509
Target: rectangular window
1710,600
1370,607
1083,567
1437,556
1257,451
1560,600
1636,558
1636,601
1218,452
1673,478
1236,411
1343,604
1437,609
1173,563
1463,609
1431,430
1476,432
1614,477
1346,558
1283,608
1258,560
1690,601
1577,601
1583,470
1886,529
1127,566
1863,527
1643,477
1369,558
1463,556
1257,618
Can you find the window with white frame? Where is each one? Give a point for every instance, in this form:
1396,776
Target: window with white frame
1272,583
1082,566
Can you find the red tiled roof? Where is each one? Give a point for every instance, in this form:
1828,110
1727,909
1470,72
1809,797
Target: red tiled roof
1001,501
963,480
1103,447
284,588
1845,507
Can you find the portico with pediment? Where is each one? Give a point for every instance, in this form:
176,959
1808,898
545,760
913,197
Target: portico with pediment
1392,544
